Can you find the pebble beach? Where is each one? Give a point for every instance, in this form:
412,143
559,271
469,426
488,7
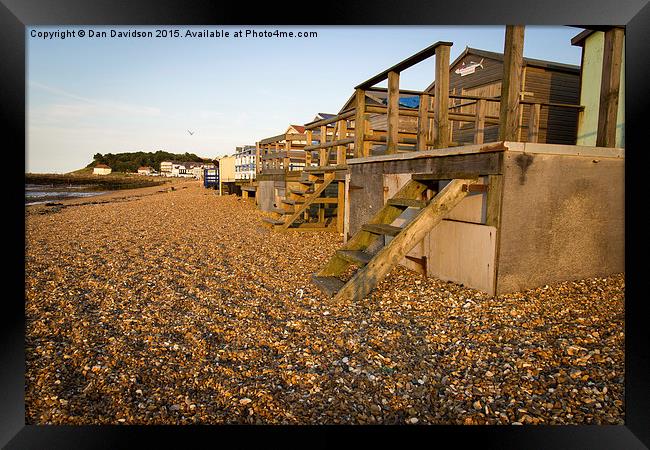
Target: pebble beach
178,306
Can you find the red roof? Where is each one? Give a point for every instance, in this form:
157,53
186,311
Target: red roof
102,166
299,128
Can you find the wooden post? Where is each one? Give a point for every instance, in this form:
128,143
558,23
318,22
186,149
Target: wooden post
511,86
287,158
609,88
423,122
393,112
308,152
441,99
341,150
323,152
366,144
479,122
533,122
452,104
359,123
340,207
274,159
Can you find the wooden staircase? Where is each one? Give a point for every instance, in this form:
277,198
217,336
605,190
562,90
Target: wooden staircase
372,267
294,212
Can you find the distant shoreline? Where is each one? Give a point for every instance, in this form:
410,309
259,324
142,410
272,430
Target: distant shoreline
112,182
108,196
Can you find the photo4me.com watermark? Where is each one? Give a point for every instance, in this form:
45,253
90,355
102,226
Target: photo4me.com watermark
169,33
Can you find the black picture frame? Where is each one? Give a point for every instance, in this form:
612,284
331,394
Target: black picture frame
16,15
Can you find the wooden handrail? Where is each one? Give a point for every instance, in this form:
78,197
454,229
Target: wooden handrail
319,123
403,65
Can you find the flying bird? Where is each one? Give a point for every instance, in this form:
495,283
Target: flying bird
191,132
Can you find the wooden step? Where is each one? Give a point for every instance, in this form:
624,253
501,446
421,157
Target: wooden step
355,256
307,182
364,280
381,228
289,201
407,202
281,211
328,285
308,200
299,192
272,221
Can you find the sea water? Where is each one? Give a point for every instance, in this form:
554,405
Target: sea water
39,193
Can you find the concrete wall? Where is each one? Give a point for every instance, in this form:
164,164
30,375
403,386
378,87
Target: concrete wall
592,72
562,216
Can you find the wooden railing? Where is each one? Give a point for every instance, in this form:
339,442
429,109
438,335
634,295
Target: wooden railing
350,133
280,154
339,139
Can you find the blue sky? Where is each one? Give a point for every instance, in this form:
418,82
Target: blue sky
88,95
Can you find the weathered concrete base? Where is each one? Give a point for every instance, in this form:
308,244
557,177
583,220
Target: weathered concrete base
562,218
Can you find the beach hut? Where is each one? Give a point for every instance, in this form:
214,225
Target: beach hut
596,43
227,178
502,216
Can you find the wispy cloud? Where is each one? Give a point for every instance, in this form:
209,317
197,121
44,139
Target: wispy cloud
93,106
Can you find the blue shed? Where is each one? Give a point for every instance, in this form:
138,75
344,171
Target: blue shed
210,178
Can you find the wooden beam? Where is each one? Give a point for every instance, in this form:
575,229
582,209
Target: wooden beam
342,150
494,198
323,151
479,122
318,123
331,144
308,133
359,123
393,112
609,88
511,85
340,207
286,160
423,122
533,123
441,99
367,145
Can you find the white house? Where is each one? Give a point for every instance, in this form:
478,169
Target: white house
166,168
145,170
101,169
245,162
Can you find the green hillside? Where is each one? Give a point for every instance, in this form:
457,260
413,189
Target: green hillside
130,161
